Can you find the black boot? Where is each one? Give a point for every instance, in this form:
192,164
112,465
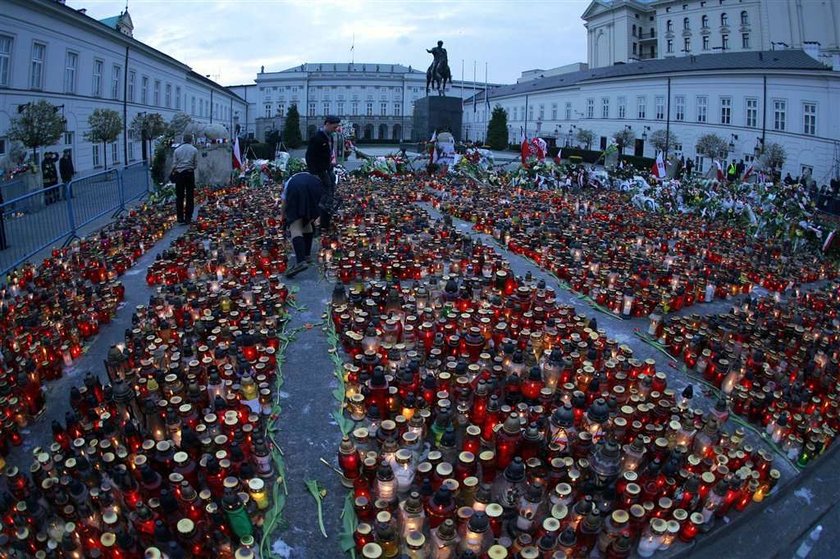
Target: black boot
307,243
299,246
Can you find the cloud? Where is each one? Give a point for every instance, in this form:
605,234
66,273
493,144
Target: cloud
234,38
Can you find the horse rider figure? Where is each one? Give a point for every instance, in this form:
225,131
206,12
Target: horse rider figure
439,70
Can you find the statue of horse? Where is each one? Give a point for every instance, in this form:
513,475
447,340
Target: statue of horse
438,77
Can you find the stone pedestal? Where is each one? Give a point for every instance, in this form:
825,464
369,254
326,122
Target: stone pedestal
437,113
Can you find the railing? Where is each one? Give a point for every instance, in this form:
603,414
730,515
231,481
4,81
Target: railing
35,220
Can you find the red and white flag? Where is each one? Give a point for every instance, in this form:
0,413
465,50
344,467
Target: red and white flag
829,240
658,168
748,172
237,155
433,154
525,148
720,173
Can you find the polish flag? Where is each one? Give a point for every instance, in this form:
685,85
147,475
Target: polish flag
720,173
658,168
748,172
237,155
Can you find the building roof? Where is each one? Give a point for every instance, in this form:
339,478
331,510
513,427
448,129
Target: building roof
345,67
111,21
705,63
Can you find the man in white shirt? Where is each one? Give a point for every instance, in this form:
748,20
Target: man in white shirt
184,162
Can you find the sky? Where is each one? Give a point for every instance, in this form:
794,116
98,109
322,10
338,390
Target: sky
231,40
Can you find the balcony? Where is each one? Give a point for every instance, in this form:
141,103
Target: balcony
647,37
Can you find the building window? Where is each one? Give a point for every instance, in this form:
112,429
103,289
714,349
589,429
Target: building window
706,42
605,107
369,109
679,107
634,30
396,109
340,108
702,105
115,81
659,104
178,97
779,114
670,46
752,112
3,146
326,108
144,91
686,24
95,155
745,40
704,22
167,96
724,19
157,93
515,111
192,104
554,111
622,107
687,44
542,112
71,64
669,25
726,110
383,109
268,110
634,48
724,42
745,18
132,79
281,109
68,138
130,146
809,119
642,108
5,59
39,51
531,112
355,108
311,112
568,110
115,153
590,108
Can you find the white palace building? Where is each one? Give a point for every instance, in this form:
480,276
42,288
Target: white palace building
750,71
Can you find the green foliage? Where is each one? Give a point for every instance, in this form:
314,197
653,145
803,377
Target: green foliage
586,137
148,126
291,129
712,146
624,138
660,139
159,162
104,125
40,124
497,132
773,157
178,124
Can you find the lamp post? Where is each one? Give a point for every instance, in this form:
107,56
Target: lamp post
732,139
143,149
644,133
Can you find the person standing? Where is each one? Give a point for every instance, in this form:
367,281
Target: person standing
65,167
50,177
301,199
184,162
320,161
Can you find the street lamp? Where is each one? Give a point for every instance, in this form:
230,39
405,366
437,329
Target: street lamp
732,139
759,147
644,133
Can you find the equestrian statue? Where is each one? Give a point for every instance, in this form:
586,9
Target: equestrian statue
438,73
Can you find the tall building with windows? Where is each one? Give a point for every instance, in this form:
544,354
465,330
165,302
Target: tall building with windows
53,52
631,30
376,99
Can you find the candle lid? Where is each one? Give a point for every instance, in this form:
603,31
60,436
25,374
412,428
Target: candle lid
108,539
415,539
231,482
494,510
256,484
185,526
497,551
371,551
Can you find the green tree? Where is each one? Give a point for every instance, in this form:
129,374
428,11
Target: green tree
291,129
623,138
662,139
586,137
497,132
773,156
40,124
178,124
712,146
104,125
148,126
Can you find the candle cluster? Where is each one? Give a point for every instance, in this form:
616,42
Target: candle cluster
776,360
171,455
626,258
48,312
491,421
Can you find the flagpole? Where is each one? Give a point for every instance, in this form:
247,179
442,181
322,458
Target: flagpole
462,84
353,50
486,102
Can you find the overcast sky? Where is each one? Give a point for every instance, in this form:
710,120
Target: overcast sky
230,40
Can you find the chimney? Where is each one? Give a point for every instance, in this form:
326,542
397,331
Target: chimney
82,11
812,49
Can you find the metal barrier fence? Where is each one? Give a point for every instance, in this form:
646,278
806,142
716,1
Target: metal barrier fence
33,221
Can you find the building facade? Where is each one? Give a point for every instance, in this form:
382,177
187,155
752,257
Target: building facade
630,30
748,98
376,99
53,52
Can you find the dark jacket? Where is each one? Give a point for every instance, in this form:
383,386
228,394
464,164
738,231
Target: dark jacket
65,168
302,194
318,154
